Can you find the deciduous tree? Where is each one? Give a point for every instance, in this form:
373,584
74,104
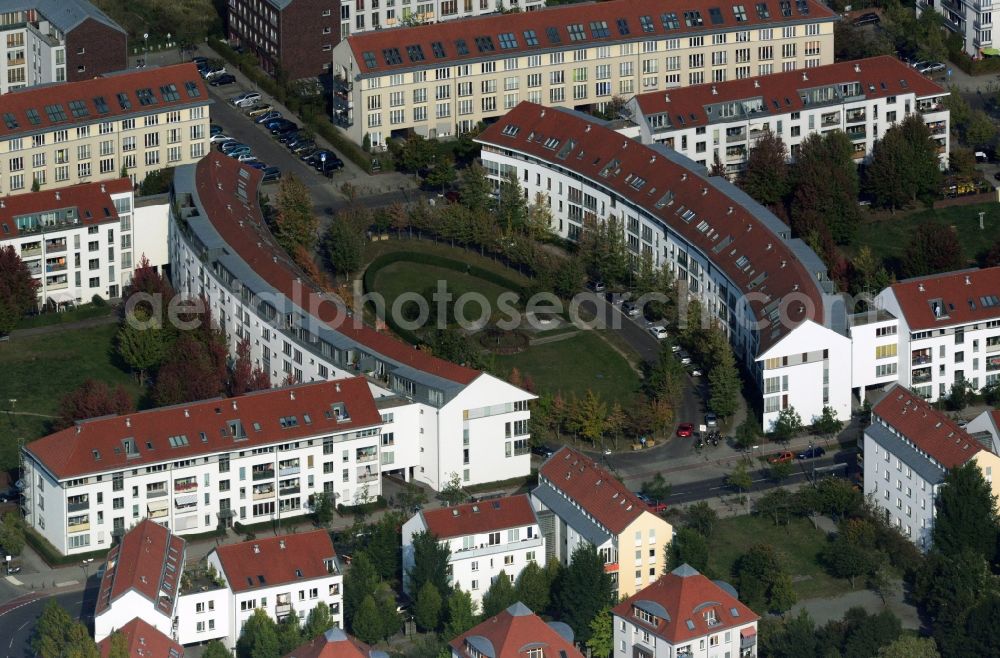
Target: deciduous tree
289,634
427,607
214,649
142,343
343,245
317,621
259,638
724,385
701,518
826,187
932,248
430,563
499,596
295,224
584,590
92,399
17,289
244,376
687,547
911,646
359,581
787,425
762,581
533,587
602,636
367,624
966,513
766,176
461,613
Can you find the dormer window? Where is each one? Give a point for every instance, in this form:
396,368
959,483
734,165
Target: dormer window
710,617
639,613
535,652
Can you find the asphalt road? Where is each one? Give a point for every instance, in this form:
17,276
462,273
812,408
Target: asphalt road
18,616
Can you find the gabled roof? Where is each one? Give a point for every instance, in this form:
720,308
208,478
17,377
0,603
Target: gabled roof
595,490
960,297
511,633
335,643
481,517
44,108
219,425
564,27
149,560
731,230
780,93
64,14
143,641
92,203
678,603
238,221
930,430
275,561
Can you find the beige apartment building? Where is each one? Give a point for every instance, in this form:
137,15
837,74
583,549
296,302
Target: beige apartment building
82,132
441,80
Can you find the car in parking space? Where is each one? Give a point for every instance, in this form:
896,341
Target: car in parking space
871,18
658,332
542,451
212,73
246,157
683,357
782,457
675,348
596,285
314,158
685,430
288,135
284,126
305,153
260,110
303,146
299,138
271,174
711,420
229,149
267,116
256,164
630,309
198,59
238,151
329,166
222,80
656,506
246,98
219,138
812,452
694,371
228,142
215,129
280,122
931,67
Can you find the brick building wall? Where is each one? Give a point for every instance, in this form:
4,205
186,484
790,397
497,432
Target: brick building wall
309,31
93,48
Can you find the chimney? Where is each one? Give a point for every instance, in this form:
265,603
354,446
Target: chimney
783,263
78,429
652,159
102,188
769,245
234,405
625,144
684,176
542,113
704,191
730,211
795,287
274,259
587,129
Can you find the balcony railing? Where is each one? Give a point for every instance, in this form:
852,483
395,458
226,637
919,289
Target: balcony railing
55,247
262,494
78,507
57,285
920,359
185,486
741,136
79,527
288,491
55,267
289,470
27,252
367,477
831,120
156,493
505,547
263,475
367,457
158,513
855,117
856,135
993,348
921,378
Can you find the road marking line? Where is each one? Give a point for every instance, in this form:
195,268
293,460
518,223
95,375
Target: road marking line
14,581
68,583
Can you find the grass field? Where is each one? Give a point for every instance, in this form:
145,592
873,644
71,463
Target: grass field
82,312
799,544
575,364
887,238
408,277
374,249
39,370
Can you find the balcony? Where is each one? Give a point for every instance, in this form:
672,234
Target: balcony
830,120
28,252
157,509
982,5
856,116
486,549
992,363
741,136
992,347
262,474
920,357
185,485
282,610
984,24
78,506
856,135
34,268
55,246
79,527
289,468
55,267
289,491
15,61
260,493
367,476
156,493
611,567
366,455
56,285
921,376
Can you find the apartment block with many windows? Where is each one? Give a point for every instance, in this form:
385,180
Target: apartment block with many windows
908,449
293,37
135,122
83,240
367,15
44,41
442,80
440,419
484,538
720,123
972,20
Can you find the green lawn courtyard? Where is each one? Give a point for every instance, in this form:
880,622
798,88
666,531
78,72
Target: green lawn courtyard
402,277
39,370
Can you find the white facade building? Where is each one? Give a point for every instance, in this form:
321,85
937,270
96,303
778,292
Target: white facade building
764,288
84,240
368,15
908,449
284,575
484,538
970,19
721,122
197,466
440,419
684,614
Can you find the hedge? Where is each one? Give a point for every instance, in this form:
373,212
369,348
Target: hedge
321,126
975,66
367,508
52,556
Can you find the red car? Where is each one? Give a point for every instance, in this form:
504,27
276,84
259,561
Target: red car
657,507
781,458
685,429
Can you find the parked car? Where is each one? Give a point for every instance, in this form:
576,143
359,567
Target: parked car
931,67
657,506
285,128
287,135
982,157
809,453
256,164
271,173
246,97
683,357
685,430
212,73
277,123
267,117
694,370
237,152
711,420
219,138
329,166
260,110
229,147
222,80
198,59
303,146
630,309
659,333
871,18
317,155
214,129
542,451
246,157
596,286
781,458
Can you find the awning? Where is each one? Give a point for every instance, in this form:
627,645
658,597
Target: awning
157,505
62,297
186,499
748,632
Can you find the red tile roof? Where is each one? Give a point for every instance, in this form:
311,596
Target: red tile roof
964,296
92,202
242,226
97,445
558,19
596,490
143,641
276,560
18,103
149,561
879,77
509,632
685,596
930,430
476,518
334,643
773,277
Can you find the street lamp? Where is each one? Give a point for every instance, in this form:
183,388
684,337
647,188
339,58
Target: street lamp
85,565
145,47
